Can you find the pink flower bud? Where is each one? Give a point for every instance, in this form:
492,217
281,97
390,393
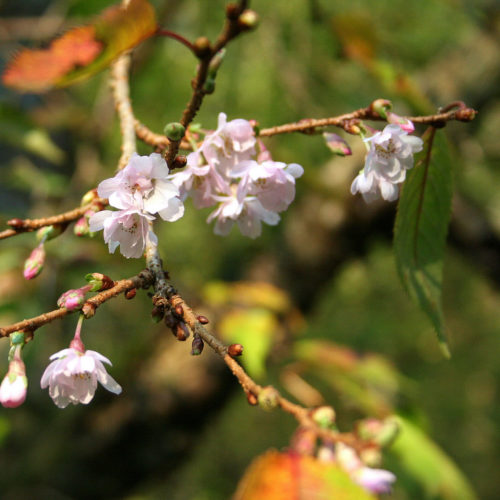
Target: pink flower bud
404,123
337,145
81,227
14,384
73,299
34,263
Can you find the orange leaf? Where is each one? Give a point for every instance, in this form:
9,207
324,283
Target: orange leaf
82,52
290,476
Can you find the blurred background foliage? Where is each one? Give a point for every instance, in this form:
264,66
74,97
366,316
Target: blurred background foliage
315,301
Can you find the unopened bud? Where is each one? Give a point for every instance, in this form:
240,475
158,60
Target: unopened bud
179,310
89,197
324,416
81,228
17,338
73,299
157,314
464,115
49,232
252,399
201,47
180,161
14,385
381,106
216,62
34,263
170,321
352,126
248,20
202,319
209,85
268,398
336,144
130,294
235,350
197,346
174,131
99,282
16,223
404,123
232,11
181,331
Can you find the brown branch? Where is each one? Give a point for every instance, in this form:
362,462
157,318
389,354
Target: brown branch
231,29
27,225
142,280
462,114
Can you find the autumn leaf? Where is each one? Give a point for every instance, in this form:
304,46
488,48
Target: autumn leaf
83,51
291,476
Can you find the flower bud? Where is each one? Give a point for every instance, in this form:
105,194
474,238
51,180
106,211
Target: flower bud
336,144
81,227
50,232
248,20
197,346
174,131
73,299
201,47
178,309
215,63
235,350
99,282
16,223
209,85
181,331
130,294
252,399
89,197
180,161
404,123
381,107
170,321
34,263
324,416
268,398
157,314
15,383
202,319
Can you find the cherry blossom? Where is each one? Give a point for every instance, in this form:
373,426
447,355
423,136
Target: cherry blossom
73,375
15,383
389,157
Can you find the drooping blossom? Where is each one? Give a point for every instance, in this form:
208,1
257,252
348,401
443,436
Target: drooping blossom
73,374
139,191
389,157
33,265
15,383
373,480
129,229
235,172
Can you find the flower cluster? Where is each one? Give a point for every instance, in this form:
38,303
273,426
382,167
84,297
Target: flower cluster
390,155
247,187
139,191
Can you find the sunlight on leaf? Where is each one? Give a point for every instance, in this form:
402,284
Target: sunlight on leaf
82,52
285,476
421,226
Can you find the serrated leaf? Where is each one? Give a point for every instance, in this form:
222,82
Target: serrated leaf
286,476
427,464
421,226
84,51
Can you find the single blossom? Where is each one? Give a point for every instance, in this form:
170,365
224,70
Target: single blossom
128,229
73,375
144,184
15,383
390,156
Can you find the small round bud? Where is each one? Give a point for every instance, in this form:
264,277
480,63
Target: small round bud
49,232
201,47
197,346
248,20
81,227
202,319
380,107
16,223
174,131
324,416
99,282
268,398
465,114
17,338
73,299
179,162
181,331
235,350
130,294
179,310
252,399
34,263
352,126
170,321
89,197
157,314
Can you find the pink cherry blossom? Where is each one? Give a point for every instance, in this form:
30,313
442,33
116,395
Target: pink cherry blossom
34,263
15,383
128,229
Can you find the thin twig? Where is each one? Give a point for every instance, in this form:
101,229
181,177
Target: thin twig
142,280
28,225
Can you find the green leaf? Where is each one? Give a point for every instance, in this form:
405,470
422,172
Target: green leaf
427,464
421,225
